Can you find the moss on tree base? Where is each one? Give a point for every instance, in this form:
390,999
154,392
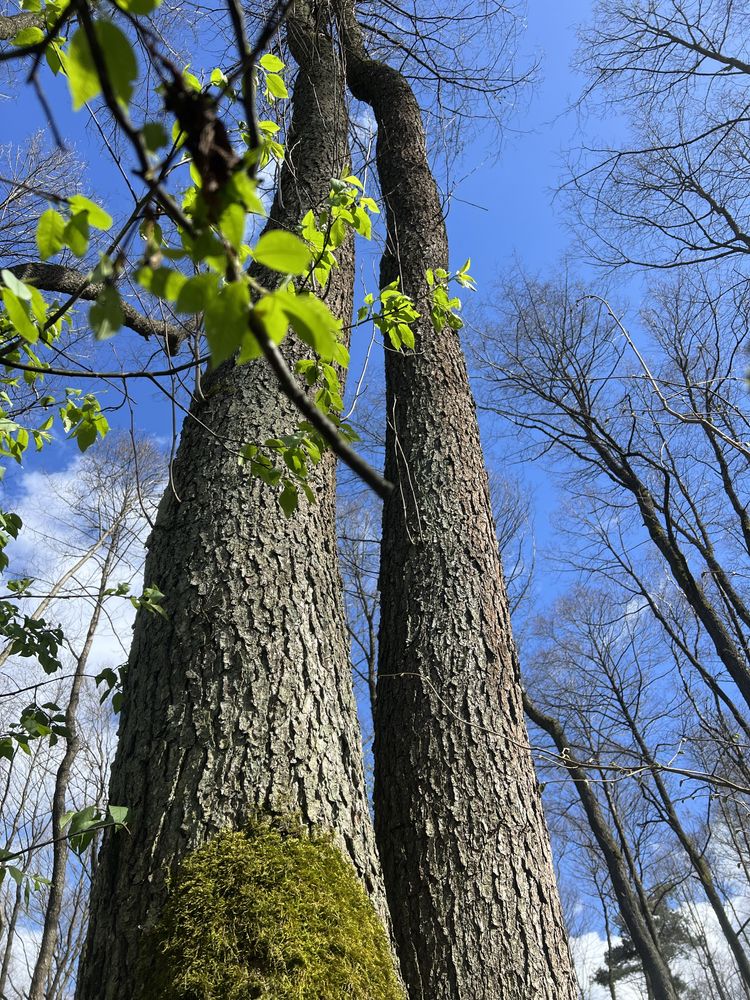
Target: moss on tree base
272,913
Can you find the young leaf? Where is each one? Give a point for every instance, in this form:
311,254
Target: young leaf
105,316
77,233
284,252
119,59
118,814
289,498
275,86
197,293
50,233
232,224
19,289
313,322
28,36
138,6
226,320
154,135
97,217
271,63
18,316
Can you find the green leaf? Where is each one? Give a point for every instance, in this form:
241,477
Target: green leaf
232,224
53,56
289,498
218,79
15,873
50,233
19,317
97,217
77,233
154,135
284,252
407,336
226,320
271,63
191,80
164,282
18,288
28,36
118,814
313,322
178,136
275,321
119,60
197,293
276,86
243,189
138,6
105,315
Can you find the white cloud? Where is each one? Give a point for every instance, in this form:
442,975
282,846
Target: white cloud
588,951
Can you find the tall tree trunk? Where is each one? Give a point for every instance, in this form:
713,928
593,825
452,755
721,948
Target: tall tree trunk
464,846
695,854
634,914
51,929
241,698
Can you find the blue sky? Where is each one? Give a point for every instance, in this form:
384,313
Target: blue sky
503,213
520,220
512,183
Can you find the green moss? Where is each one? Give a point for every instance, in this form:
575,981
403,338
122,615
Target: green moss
270,913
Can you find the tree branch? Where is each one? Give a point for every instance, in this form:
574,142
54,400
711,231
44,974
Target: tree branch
70,281
11,24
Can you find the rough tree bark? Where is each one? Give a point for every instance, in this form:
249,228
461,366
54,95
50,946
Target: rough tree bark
464,846
11,24
241,697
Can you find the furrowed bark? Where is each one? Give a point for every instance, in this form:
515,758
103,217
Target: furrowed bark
11,24
464,846
241,698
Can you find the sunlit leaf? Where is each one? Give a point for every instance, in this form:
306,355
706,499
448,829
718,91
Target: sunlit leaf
282,251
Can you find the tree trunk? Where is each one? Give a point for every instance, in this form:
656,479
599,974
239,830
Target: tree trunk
464,846
51,928
632,912
241,699
695,854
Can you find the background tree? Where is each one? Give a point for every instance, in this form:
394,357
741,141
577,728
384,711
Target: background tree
100,517
674,192
637,678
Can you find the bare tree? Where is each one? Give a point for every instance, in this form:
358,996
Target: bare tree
116,490
675,191
643,682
